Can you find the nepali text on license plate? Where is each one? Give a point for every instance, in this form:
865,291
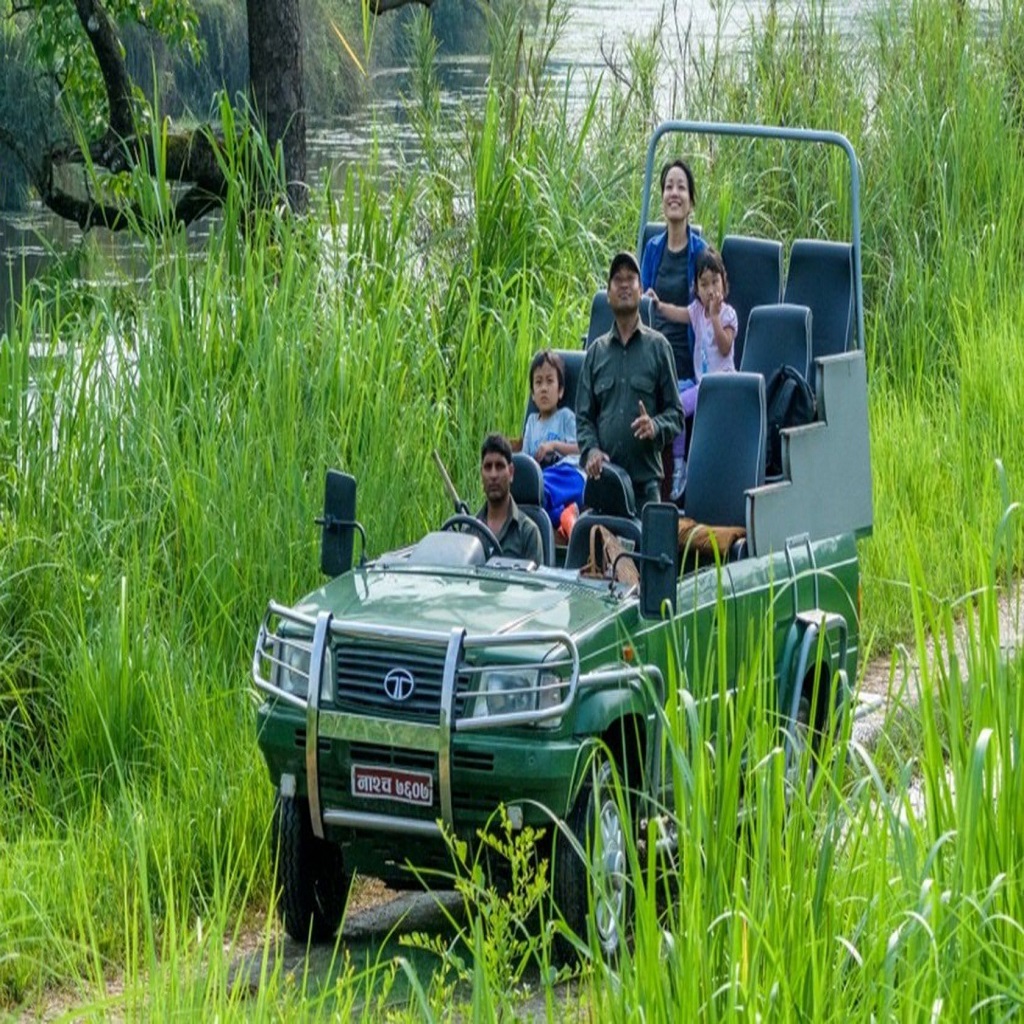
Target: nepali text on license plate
377,783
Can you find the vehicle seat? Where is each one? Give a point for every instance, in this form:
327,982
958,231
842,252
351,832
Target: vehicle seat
726,460
754,266
601,318
778,335
821,277
577,554
573,359
656,227
528,494
610,494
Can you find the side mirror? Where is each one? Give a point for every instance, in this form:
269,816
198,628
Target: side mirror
658,547
338,523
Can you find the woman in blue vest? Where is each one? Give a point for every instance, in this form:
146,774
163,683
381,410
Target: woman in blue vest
668,274
669,260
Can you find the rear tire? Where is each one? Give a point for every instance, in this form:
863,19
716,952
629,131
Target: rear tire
312,881
590,883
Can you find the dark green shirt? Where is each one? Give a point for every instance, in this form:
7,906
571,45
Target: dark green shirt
519,537
615,378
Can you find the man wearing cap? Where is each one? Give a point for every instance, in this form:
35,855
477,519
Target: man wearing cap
627,404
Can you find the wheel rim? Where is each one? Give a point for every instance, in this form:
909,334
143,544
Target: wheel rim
609,871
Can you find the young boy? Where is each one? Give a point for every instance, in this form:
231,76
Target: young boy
550,436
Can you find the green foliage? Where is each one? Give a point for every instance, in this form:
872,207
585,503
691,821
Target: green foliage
55,36
502,940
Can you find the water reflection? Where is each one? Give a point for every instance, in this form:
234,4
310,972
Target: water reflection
595,29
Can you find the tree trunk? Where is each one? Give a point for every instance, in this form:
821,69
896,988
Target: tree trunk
275,78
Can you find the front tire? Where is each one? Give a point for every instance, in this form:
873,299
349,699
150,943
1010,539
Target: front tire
590,879
311,878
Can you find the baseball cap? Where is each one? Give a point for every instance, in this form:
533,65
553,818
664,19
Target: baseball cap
623,259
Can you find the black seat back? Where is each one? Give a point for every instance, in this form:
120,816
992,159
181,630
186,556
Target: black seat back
601,317
778,335
821,276
573,359
728,448
611,493
528,494
754,266
577,554
652,228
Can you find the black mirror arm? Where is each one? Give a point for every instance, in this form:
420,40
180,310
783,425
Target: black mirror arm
334,525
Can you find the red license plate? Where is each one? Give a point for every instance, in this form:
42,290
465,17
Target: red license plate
373,782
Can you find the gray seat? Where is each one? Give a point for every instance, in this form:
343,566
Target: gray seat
821,276
577,554
656,227
610,494
601,318
778,335
728,448
754,266
528,494
573,359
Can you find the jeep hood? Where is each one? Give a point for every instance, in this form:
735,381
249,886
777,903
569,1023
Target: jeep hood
477,600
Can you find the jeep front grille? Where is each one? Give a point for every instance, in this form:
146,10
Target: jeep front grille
360,670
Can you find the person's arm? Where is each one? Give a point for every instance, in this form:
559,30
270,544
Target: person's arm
533,546
648,266
566,444
669,310
723,324
570,446
547,448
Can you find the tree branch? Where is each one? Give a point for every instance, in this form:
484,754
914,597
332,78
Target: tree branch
185,157
102,35
10,140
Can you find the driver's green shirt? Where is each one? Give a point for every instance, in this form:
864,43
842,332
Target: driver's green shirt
519,537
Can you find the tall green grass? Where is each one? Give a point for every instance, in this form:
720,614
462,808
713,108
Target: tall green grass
164,444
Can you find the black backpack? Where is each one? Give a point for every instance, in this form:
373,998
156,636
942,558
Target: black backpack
790,403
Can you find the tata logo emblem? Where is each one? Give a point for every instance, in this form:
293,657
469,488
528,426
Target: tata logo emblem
399,684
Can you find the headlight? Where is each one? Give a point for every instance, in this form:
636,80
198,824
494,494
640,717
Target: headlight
293,669
509,691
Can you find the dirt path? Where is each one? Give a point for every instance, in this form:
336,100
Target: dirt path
893,681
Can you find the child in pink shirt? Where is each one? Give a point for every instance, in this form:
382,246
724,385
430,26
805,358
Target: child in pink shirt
714,325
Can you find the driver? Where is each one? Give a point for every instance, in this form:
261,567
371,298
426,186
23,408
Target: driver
517,534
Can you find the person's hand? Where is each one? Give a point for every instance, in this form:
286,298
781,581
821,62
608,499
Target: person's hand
653,296
643,426
544,450
595,462
715,303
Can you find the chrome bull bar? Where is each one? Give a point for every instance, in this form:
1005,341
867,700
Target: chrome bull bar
429,737
423,736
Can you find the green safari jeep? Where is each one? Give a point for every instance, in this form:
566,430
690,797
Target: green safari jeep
419,690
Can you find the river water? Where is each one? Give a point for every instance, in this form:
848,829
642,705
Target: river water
595,30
